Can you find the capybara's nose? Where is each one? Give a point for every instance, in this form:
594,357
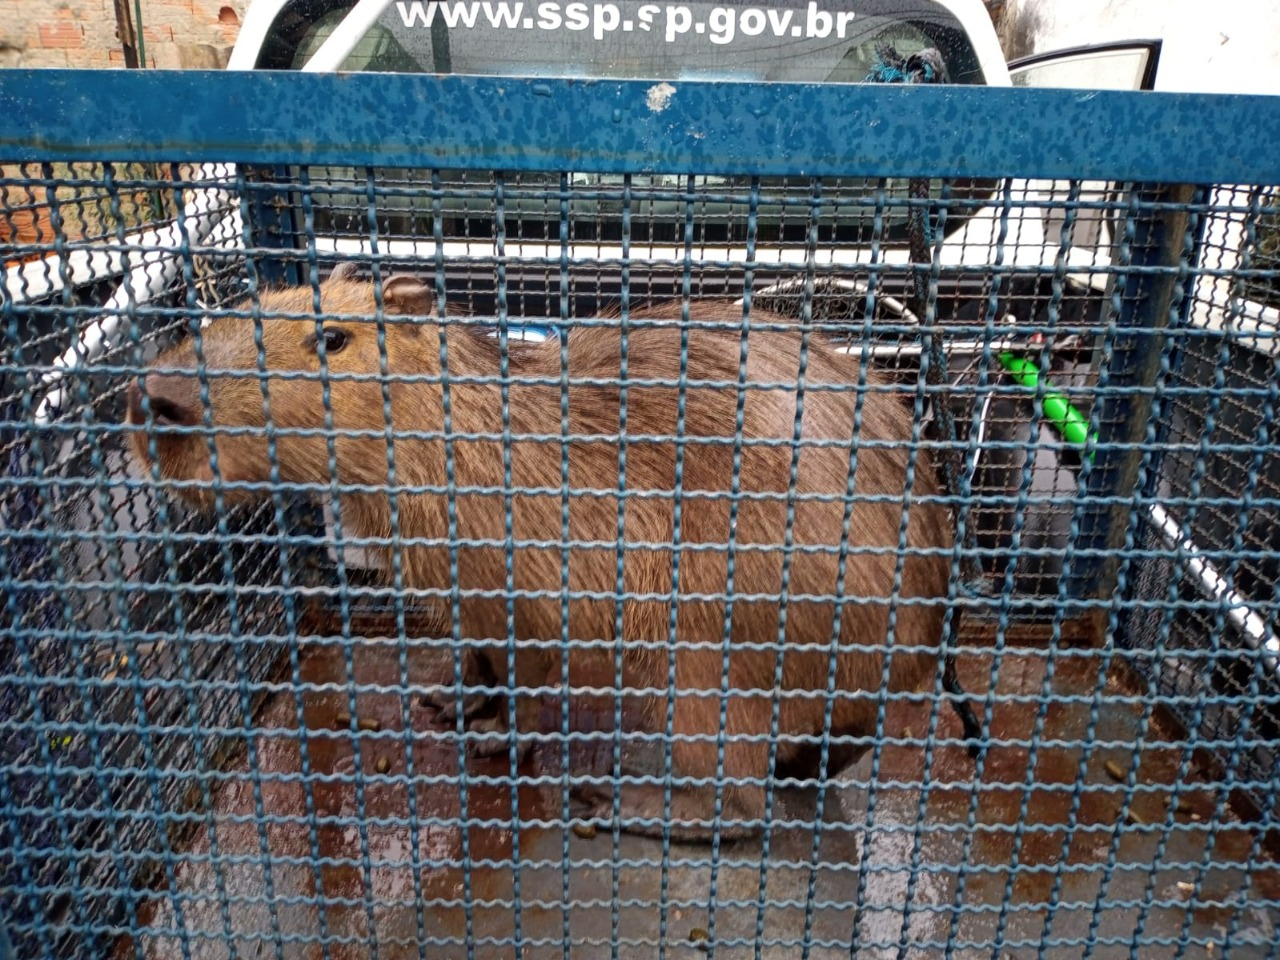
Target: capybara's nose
173,402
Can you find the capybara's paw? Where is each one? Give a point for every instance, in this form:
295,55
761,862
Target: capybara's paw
445,702
493,739
592,801
692,812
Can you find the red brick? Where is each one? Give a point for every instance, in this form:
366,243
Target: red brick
65,34
90,57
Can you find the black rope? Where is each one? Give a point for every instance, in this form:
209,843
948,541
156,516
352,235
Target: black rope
927,66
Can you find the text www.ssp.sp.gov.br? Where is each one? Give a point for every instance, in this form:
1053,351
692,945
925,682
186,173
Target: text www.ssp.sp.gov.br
668,20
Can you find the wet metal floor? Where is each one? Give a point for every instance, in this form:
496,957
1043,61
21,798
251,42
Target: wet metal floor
1043,862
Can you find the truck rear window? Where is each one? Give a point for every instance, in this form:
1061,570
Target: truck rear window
807,41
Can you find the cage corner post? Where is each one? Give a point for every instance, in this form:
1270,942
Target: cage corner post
1148,286
273,208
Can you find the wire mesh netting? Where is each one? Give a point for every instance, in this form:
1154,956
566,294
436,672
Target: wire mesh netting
484,562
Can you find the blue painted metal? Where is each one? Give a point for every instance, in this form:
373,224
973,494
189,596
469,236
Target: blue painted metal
213,739
275,209
613,127
1150,305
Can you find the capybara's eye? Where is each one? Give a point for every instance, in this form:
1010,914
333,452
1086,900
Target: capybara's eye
334,340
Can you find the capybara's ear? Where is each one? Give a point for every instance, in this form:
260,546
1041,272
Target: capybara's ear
346,270
403,294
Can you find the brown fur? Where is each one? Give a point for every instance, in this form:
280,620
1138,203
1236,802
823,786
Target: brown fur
593,462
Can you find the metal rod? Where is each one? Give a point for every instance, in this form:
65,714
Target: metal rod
1238,610
957,348
137,28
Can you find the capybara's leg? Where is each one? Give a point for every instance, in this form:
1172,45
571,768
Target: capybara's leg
494,734
742,804
806,762
532,670
445,698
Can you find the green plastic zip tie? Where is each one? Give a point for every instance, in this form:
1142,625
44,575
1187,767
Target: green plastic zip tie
1057,408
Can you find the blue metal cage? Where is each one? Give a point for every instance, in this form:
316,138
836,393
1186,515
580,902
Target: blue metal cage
283,559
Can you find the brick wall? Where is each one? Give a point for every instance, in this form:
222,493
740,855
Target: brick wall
82,33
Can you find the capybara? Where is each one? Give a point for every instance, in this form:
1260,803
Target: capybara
784,551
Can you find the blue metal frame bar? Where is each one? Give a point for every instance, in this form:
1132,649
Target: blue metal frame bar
614,126
1153,297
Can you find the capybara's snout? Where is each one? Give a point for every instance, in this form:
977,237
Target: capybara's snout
173,401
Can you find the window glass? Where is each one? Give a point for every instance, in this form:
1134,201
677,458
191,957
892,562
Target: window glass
1105,70
814,42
